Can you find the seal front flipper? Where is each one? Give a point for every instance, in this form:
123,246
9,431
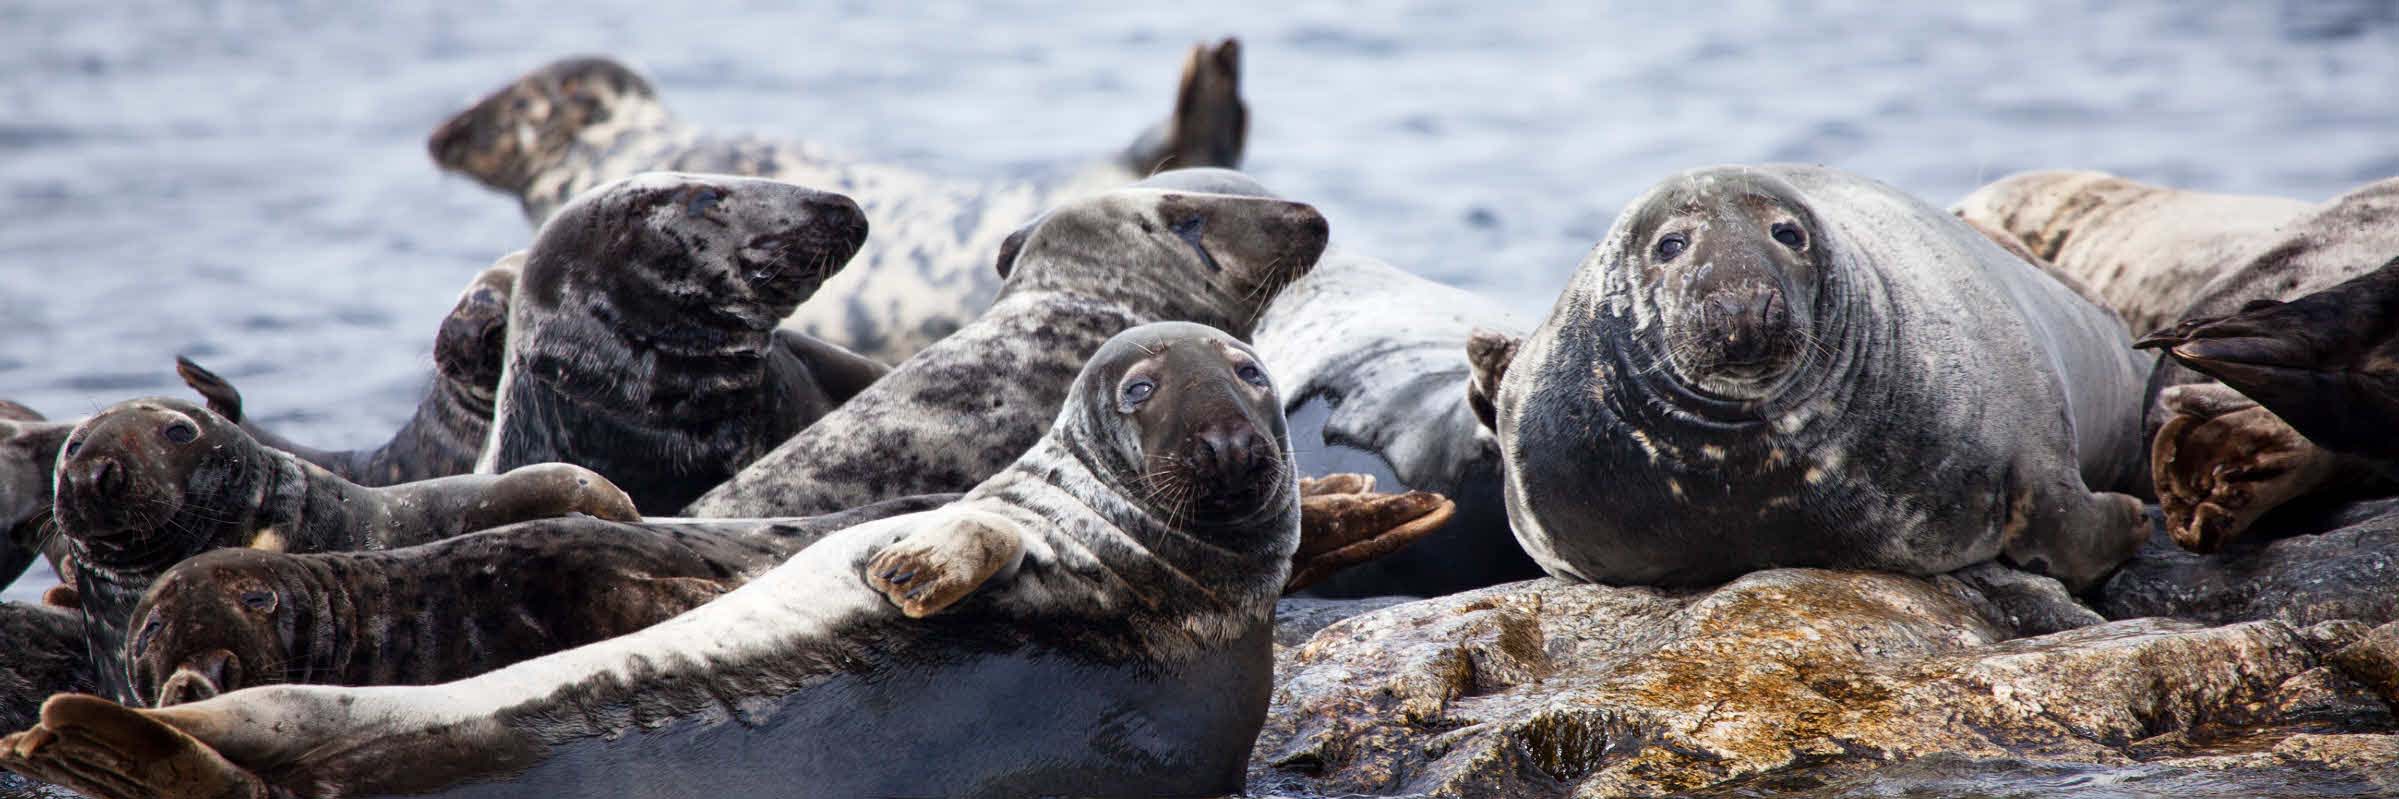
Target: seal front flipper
221,396
1210,126
1488,353
2221,461
1344,522
525,493
839,371
109,751
941,563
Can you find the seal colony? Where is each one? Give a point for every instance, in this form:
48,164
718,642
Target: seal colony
1792,366
1134,553
580,123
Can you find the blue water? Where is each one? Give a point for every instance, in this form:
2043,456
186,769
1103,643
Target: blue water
246,182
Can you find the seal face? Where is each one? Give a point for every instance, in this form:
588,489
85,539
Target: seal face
1785,366
1140,622
584,122
642,343
969,405
29,448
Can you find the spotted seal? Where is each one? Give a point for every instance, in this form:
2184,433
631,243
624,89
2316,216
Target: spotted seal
2146,250
1793,366
969,405
583,122
447,610
1121,576
451,423
642,342
147,483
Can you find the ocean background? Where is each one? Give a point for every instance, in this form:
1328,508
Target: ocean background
246,182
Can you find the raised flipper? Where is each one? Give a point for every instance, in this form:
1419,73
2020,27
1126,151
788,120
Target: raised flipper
1488,352
1343,523
1210,126
2327,363
525,493
108,751
943,561
2221,461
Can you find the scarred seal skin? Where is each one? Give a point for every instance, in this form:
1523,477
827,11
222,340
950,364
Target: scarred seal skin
148,483
1121,576
237,618
1792,366
451,422
583,122
642,342
966,407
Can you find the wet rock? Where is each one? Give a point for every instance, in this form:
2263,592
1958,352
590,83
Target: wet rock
1815,678
2349,571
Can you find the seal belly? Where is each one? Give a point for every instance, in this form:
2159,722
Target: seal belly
1031,721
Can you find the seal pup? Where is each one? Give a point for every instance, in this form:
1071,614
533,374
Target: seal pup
583,122
2146,250
2307,399
1792,366
147,483
452,421
969,405
446,610
1121,576
642,342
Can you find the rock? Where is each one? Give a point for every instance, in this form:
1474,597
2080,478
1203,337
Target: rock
2349,571
1814,678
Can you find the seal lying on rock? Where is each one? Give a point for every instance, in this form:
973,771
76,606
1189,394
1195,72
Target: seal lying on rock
2322,366
451,422
1788,365
148,483
1121,576
2148,251
969,405
642,340
583,122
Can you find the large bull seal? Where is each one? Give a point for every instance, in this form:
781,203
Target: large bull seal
583,122
1792,366
1121,578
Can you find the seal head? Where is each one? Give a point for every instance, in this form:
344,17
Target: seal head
208,625
1728,282
528,126
1185,417
138,478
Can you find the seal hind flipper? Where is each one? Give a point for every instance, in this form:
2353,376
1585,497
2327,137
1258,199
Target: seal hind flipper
1343,523
106,750
1488,353
2221,461
221,396
1210,126
944,561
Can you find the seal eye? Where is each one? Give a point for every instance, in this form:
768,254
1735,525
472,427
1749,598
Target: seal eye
261,601
1138,392
1250,373
141,642
74,445
180,433
1672,245
1790,235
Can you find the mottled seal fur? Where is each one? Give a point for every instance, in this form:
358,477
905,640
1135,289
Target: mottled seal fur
148,483
583,122
1792,366
451,422
1125,590
447,610
642,341
969,405
2146,250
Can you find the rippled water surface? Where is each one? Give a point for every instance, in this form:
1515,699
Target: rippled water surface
246,182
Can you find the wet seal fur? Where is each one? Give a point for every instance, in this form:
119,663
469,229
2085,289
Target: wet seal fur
1791,366
2147,251
148,483
642,341
969,405
44,657
29,448
582,122
238,618
1126,591
453,420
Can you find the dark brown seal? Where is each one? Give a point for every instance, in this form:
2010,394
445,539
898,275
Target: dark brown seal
29,448
642,339
148,483
968,406
1121,576
451,422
